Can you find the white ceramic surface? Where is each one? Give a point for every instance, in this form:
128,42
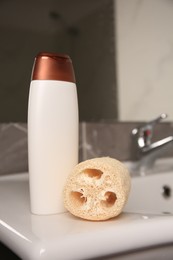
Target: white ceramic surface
151,194
64,236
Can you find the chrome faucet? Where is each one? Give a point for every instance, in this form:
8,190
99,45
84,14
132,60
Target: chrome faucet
148,151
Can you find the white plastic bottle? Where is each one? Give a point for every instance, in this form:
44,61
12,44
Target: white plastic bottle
52,131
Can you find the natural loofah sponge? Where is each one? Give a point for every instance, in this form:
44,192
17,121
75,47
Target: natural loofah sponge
97,189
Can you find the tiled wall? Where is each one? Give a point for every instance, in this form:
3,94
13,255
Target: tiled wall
96,140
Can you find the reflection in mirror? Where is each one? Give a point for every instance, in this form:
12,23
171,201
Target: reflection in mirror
84,29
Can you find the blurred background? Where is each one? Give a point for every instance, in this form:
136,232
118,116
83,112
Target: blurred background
122,52
84,29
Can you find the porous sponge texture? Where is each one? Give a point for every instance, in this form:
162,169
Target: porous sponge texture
97,189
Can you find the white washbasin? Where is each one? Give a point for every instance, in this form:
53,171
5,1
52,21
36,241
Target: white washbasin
64,236
152,194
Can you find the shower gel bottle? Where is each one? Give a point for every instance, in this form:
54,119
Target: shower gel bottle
52,131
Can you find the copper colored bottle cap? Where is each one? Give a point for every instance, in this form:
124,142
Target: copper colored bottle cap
51,66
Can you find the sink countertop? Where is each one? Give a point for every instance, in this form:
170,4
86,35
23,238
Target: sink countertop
64,236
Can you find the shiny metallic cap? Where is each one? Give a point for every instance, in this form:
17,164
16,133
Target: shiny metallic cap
52,66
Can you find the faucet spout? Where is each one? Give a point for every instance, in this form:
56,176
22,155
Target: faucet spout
148,151
157,144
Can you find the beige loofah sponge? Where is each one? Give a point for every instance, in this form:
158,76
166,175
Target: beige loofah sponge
97,189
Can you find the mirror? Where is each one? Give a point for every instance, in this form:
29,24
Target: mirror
121,52
84,29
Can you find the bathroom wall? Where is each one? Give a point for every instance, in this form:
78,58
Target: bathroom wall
144,37
137,37
144,30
